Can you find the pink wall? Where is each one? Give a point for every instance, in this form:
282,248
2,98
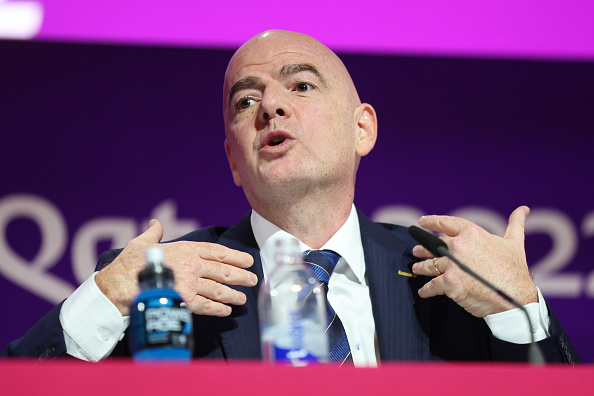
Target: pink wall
545,29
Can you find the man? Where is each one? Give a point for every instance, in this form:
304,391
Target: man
295,133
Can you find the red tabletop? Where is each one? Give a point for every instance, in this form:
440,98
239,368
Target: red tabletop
22,377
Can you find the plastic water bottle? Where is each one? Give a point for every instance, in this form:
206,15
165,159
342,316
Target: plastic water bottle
292,311
160,322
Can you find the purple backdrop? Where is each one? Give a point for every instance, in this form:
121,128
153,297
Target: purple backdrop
98,139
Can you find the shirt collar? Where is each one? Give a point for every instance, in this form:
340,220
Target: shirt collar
346,242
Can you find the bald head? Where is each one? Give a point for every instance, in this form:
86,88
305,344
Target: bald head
272,44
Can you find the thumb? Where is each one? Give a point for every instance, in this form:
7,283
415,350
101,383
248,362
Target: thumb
516,223
153,234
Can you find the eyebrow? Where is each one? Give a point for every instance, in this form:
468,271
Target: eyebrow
295,68
287,70
244,83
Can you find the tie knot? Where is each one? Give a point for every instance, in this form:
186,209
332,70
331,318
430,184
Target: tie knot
321,262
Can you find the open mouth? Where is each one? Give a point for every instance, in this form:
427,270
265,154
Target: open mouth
276,138
275,141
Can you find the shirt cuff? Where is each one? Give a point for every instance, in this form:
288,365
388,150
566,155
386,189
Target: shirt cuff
512,326
92,324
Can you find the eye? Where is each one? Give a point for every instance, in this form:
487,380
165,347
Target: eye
303,87
245,103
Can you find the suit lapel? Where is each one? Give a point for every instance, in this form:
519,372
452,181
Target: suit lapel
400,316
243,340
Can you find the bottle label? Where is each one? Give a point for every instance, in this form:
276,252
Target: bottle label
294,357
160,323
293,343
166,319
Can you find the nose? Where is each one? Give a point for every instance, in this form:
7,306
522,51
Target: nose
274,104
279,112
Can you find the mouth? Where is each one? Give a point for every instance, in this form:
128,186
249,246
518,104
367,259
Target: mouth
276,141
275,138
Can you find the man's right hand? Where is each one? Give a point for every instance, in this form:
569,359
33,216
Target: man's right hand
201,269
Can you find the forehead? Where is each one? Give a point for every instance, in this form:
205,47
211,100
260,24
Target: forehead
268,55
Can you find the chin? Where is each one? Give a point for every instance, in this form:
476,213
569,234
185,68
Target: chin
284,172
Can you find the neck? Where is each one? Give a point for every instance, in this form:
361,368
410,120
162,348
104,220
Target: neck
312,216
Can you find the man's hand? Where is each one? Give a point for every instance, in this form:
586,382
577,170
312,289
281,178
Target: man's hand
502,261
200,270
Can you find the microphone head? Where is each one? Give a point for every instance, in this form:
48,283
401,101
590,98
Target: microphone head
427,240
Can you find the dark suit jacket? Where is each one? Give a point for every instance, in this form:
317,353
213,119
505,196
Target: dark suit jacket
408,327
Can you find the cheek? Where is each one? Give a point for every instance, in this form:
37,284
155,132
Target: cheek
237,149
339,122
240,136
323,120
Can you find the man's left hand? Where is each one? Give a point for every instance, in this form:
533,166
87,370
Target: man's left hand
502,261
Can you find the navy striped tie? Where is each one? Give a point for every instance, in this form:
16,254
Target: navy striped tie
322,263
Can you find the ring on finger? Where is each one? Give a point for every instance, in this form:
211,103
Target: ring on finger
436,267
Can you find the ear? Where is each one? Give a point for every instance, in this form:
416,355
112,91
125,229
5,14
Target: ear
232,165
367,126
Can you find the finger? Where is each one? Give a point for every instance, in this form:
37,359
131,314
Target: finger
427,267
153,234
421,252
435,287
223,254
449,225
517,224
228,274
217,292
205,306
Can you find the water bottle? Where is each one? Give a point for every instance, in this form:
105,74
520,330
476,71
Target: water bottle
292,311
160,322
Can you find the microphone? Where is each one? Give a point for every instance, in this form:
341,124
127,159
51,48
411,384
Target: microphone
439,248
427,240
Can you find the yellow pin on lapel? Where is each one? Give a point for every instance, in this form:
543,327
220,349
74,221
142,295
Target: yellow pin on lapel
406,274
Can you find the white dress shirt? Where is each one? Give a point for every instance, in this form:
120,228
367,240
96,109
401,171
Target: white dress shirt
348,292
93,325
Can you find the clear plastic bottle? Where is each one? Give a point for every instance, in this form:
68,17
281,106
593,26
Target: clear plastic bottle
160,322
292,311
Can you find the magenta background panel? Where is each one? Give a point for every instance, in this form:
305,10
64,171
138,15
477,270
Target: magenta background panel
509,28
